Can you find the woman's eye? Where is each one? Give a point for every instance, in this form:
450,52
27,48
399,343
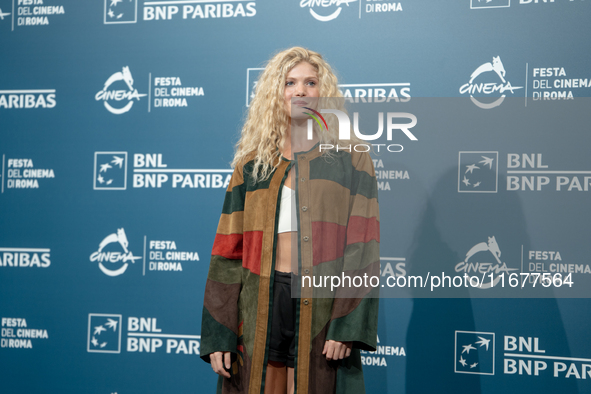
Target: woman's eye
312,83
288,83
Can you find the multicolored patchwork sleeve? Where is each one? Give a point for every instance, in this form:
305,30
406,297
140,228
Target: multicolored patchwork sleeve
355,309
219,327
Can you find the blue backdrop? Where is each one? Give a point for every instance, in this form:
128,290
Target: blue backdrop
118,120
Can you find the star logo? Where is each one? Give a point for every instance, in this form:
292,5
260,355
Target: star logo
467,348
483,342
476,4
99,329
252,76
474,352
104,333
478,172
120,11
110,170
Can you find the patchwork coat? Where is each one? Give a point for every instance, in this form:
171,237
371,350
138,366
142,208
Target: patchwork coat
338,219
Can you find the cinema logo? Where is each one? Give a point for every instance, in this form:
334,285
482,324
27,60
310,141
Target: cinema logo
478,262
325,10
115,99
143,336
113,255
113,249
27,98
25,257
492,83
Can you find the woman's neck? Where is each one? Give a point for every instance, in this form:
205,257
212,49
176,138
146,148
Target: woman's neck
297,141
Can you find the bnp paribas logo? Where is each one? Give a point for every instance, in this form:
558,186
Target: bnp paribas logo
478,4
474,352
478,172
104,333
120,11
110,171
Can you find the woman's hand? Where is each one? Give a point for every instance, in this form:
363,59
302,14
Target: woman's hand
218,359
336,350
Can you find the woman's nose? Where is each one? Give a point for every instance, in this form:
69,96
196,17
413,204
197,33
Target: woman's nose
300,90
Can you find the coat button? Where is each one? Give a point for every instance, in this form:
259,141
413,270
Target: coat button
304,209
303,157
303,179
306,238
306,271
306,302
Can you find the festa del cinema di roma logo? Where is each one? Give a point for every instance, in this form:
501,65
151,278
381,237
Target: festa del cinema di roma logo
113,98
477,261
489,88
328,4
119,239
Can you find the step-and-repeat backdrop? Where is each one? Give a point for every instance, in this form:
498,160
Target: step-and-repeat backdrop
117,125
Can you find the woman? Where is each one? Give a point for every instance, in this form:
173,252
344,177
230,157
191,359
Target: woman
254,334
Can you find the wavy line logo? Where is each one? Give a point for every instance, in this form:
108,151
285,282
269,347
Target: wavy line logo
325,5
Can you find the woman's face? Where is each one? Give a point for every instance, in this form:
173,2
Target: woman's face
301,89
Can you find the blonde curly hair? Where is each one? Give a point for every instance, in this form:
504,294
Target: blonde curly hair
264,131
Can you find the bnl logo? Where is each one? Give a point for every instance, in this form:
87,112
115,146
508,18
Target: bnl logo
474,352
104,333
475,4
120,11
478,172
110,171
252,76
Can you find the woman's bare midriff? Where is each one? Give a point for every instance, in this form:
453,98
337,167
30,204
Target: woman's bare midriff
283,256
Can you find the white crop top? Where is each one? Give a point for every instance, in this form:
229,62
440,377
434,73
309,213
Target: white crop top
287,219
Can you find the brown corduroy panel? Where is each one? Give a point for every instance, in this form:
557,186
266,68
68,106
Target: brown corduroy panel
260,339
